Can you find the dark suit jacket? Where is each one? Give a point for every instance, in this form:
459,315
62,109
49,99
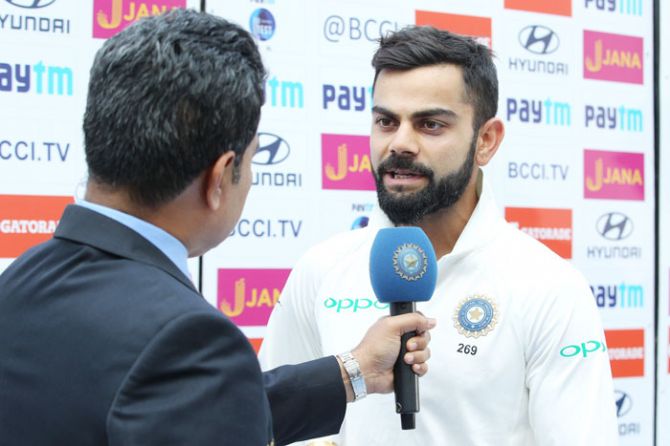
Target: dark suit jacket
103,341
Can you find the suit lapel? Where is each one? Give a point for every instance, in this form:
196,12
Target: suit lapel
88,227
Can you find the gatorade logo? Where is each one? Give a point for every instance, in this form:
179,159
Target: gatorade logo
28,220
558,7
256,343
477,27
626,351
551,227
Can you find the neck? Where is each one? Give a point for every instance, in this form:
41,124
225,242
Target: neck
445,226
168,216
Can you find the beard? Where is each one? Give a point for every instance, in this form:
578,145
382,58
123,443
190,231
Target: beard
409,209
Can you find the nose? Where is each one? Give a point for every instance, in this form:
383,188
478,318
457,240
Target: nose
404,141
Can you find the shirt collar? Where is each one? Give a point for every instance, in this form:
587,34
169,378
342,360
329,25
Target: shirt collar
482,226
167,243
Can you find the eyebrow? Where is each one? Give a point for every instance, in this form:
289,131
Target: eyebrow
428,113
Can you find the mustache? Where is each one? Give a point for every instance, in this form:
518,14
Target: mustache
397,162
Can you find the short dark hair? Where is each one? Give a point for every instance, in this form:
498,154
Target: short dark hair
419,46
167,97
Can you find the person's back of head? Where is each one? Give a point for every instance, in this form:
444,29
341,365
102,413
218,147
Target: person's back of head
167,97
420,46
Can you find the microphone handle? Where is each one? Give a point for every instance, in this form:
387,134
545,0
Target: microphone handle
405,381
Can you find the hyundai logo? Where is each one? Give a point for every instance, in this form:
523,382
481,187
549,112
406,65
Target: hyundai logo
538,39
30,4
272,149
614,226
623,403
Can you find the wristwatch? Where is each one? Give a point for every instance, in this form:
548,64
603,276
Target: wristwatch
355,376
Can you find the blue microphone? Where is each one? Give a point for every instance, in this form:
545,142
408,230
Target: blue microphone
403,271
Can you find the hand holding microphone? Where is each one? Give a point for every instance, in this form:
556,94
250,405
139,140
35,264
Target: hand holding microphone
403,271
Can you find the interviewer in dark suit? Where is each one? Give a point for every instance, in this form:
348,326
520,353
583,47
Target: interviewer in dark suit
103,337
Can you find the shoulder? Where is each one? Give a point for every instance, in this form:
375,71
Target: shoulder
532,261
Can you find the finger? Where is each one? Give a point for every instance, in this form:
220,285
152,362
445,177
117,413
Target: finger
420,369
404,323
419,342
417,357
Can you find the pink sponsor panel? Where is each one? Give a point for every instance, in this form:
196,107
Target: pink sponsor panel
613,57
613,175
112,16
247,296
346,162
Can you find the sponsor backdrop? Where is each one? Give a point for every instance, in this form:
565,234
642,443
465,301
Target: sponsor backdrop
576,170
663,332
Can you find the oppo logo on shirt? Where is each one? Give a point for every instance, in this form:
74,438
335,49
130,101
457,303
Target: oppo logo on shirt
353,305
583,349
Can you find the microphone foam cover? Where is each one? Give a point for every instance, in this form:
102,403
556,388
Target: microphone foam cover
402,265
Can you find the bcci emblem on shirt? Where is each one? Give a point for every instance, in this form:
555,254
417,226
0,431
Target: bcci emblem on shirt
410,261
476,316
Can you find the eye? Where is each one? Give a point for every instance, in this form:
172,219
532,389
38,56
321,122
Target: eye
384,122
429,124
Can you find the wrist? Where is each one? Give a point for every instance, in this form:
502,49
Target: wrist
352,376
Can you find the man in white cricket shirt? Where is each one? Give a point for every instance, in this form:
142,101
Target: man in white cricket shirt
523,359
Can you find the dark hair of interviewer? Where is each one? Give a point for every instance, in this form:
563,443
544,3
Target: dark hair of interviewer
167,97
419,46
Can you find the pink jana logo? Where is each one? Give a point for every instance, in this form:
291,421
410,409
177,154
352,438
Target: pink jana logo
346,162
247,296
613,175
112,16
613,57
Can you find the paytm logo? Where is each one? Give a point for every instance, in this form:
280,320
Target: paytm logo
626,7
347,97
613,175
112,16
613,57
619,118
618,296
478,28
40,78
547,112
285,94
558,7
346,162
247,296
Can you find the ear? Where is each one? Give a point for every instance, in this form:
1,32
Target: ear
219,177
490,136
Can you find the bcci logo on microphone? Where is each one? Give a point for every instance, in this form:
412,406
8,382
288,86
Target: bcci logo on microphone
410,261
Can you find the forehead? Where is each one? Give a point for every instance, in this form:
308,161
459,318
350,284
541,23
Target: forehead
420,88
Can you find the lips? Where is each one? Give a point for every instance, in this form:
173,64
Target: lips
401,174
